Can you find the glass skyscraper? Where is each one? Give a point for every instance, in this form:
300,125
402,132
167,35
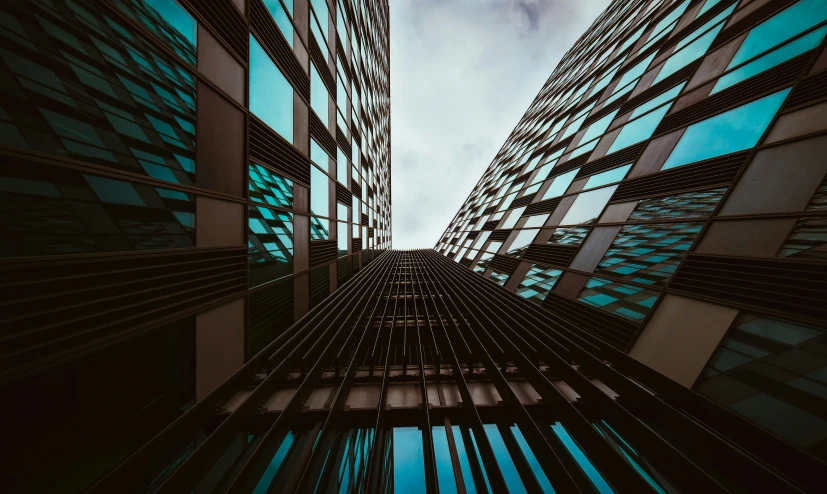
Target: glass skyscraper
630,300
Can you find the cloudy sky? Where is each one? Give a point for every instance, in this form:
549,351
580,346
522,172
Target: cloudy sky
463,72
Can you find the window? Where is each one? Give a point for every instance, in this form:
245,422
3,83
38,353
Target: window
271,95
590,138
808,239
560,184
341,238
342,166
521,242
649,254
772,372
687,53
638,130
732,131
607,177
771,59
784,25
169,20
270,188
689,205
629,301
282,17
319,97
513,217
588,206
538,282
657,101
270,245
319,192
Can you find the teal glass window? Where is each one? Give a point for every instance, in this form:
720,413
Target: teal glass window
807,240
271,95
269,244
573,235
89,213
282,16
536,221
318,155
581,459
607,177
319,192
513,216
168,20
464,462
442,458
319,228
408,461
504,461
639,129
648,254
341,238
521,242
498,277
630,301
341,211
773,372
697,204
771,59
538,282
531,459
735,130
707,5
793,20
588,206
694,50
342,166
594,131
319,97
560,184
665,26
658,100
632,457
268,187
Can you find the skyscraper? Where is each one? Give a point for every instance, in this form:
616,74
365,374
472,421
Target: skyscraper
665,193
616,221
181,181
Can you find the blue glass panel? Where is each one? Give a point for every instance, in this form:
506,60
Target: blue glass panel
267,187
588,206
274,465
479,460
538,282
319,192
707,25
318,155
688,54
582,461
342,166
629,301
167,19
607,177
504,461
629,454
649,254
536,469
807,240
635,72
408,461
657,101
784,25
598,128
269,244
442,458
281,17
521,243
341,238
688,205
707,5
737,129
786,52
271,95
464,463
638,130
319,96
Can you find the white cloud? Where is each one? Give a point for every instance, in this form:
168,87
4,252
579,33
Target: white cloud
462,74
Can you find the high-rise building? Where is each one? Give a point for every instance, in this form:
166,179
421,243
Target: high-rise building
652,224
180,181
665,193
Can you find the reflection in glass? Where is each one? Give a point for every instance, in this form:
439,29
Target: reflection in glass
266,186
697,204
560,184
638,130
588,206
538,282
607,177
408,461
735,130
629,301
269,244
271,95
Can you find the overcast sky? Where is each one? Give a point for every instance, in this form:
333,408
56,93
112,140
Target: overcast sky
463,72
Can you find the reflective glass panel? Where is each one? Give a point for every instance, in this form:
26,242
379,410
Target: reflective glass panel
688,205
560,184
538,282
588,206
319,97
319,192
639,129
607,177
270,244
735,130
268,187
629,301
281,17
271,95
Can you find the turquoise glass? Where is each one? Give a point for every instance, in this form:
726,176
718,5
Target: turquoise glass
281,17
598,128
588,206
782,26
464,462
319,96
771,59
523,240
342,166
319,200
536,469
635,72
273,467
702,30
638,130
657,100
318,155
271,95
408,461
607,177
735,130
504,461
582,461
442,458
707,5
688,54
560,184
